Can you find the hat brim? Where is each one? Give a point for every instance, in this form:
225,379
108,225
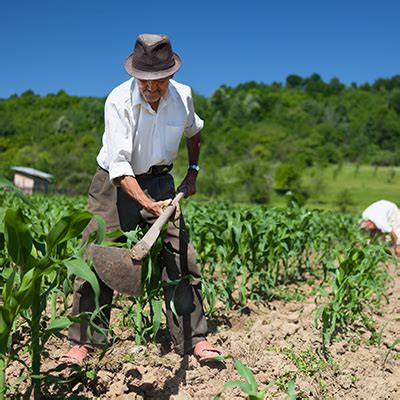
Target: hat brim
147,75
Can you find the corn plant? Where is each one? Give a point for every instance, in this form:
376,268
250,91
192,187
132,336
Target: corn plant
33,266
391,348
248,387
246,253
291,391
144,313
357,284
255,249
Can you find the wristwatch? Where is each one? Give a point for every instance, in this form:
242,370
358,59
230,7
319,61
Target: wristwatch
195,167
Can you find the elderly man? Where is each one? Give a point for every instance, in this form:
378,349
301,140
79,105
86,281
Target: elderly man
383,217
145,118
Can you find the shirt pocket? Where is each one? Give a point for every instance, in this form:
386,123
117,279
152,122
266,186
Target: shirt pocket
173,135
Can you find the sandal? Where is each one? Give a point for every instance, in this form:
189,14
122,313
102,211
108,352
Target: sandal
204,352
76,355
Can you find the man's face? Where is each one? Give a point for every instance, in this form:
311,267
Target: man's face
369,225
153,90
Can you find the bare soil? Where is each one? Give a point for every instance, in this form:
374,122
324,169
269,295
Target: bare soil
277,341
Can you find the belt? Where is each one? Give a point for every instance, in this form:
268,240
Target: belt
153,170
158,170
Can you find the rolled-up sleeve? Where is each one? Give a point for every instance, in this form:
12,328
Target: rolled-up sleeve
118,140
194,124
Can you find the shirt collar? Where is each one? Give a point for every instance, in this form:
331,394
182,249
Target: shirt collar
136,97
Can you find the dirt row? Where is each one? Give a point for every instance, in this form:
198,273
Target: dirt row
277,341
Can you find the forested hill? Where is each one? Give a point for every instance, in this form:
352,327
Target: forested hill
256,136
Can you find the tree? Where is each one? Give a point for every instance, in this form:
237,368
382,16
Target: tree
314,84
394,100
294,82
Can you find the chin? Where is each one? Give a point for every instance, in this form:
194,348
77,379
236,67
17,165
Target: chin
152,99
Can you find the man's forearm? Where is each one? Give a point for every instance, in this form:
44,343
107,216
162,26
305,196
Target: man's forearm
130,185
193,148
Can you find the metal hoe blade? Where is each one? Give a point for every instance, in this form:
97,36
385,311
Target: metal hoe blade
120,269
116,268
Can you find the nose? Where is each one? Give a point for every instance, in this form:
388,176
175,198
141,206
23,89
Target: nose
149,84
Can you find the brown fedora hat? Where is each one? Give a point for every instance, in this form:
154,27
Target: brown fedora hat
152,58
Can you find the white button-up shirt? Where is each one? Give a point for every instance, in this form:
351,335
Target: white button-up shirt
136,137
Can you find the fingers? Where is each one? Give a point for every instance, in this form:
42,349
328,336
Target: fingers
161,205
165,203
177,214
156,207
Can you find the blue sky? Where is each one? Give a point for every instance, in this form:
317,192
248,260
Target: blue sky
79,45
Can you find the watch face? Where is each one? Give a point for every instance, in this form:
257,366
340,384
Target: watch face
194,167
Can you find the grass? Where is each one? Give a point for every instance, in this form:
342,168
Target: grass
348,187
308,363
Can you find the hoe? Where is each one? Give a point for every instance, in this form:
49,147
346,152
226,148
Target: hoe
120,269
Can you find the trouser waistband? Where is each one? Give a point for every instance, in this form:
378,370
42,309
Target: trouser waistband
153,170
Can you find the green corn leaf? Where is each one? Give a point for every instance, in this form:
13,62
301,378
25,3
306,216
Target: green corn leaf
246,373
6,272
58,324
391,347
68,227
244,387
8,287
291,393
79,268
133,236
6,184
24,295
5,320
101,229
18,237
157,310
394,344
138,318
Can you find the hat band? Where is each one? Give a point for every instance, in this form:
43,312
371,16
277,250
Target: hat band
152,67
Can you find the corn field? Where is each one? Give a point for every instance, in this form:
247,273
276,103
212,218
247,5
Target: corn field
246,254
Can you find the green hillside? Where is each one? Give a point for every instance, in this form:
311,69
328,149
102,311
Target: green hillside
351,187
259,142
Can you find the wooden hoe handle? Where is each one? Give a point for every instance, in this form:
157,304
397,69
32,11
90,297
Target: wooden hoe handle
141,248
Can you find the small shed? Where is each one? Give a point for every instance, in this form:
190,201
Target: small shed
31,180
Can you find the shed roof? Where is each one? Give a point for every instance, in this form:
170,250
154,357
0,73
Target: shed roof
33,172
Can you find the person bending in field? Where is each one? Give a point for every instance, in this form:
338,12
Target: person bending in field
383,217
145,119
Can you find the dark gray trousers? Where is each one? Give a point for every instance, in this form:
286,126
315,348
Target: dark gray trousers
177,259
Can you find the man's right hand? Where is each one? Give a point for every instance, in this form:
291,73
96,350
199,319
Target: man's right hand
156,207
130,185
